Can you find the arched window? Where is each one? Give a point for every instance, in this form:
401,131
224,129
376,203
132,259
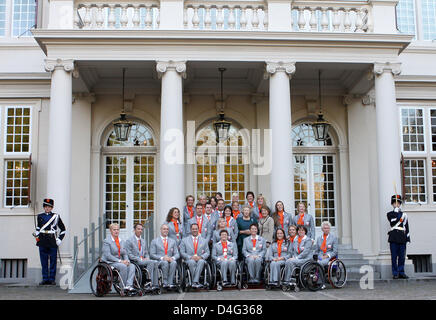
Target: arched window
220,169
129,178
314,174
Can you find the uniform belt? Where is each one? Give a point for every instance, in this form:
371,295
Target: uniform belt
398,228
47,232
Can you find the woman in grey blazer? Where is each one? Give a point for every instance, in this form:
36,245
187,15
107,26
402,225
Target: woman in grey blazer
222,225
115,254
231,223
266,225
277,254
302,252
175,225
306,219
326,246
254,250
225,255
282,219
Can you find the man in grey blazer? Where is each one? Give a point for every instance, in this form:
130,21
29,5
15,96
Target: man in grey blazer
203,226
302,252
211,217
225,255
326,245
115,254
188,213
254,250
195,251
164,250
138,253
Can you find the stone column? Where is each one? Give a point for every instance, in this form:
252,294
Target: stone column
171,150
59,142
282,177
388,143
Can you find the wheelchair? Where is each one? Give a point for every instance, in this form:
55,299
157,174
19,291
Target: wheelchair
104,277
267,271
312,275
244,275
217,277
178,279
206,277
145,281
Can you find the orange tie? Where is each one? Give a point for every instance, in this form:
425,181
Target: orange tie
165,245
117,242
199,224
301,220
139,246
324,244
279,247
195,245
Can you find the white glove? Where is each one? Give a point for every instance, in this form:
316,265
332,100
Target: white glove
58,242
396,209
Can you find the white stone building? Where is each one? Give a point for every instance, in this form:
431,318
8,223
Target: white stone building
61,89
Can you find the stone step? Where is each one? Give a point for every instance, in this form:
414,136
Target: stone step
357,276
351,256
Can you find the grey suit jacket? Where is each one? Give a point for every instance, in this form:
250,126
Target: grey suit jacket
287,220
110,251
248,250
173,234
187,248
309,222
133,249
233,228
266,228
157,249
216,236
255,212
186,217
206,230
331,244
305,247
273,252
217,250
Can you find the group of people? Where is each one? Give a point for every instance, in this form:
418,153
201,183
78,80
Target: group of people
226,234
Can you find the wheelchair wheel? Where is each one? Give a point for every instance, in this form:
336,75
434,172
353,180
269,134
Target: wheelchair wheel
337,274
312,276
207,281
117,282
178,278
101,280
137,280
213,270
266,276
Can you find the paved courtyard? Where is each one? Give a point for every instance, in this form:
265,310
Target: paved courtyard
395,289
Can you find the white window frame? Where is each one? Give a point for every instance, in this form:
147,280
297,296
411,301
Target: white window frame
9,21
5,186
424,122
13,153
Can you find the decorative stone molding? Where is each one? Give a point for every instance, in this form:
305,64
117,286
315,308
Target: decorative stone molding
164,66
53,64
279,66
393,67
348,99
369,98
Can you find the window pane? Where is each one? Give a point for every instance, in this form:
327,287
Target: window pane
16,182
2,17
115,207
429,19
406,16
415,187
23,17
412,129
18,137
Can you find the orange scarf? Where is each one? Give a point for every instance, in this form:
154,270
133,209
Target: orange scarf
324,244
191,211
236,213
176,226
251,204
117,242
279,247
292,239
228,220
224,249
282,217
254,242
299,242
301,220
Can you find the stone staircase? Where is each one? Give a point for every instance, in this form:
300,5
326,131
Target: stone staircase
353,261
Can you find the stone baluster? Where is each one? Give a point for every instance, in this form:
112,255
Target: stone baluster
208,18
324,19
336,20
255,19
301,19
219,18
232,19
124,20
196,19
100,18
148,17
313,22
243,20
111,18
347,20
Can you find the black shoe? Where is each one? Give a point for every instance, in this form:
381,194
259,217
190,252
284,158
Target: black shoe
52,283
226,284
165,286
256,281
403,276
43,283
395,277
173,286
155,288
274,284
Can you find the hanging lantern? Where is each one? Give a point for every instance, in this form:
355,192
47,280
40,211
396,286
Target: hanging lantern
221,126
320,126
122,126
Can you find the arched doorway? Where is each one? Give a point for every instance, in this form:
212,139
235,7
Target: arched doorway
129,178
315,175
221,168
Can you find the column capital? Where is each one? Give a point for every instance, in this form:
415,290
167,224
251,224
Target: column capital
368,98
273,67
53,64
393,67
164,66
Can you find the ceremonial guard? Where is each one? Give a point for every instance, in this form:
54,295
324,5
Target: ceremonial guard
225,255
48,240
195,251
398,237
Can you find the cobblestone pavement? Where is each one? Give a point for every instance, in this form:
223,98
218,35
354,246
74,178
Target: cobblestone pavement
395,289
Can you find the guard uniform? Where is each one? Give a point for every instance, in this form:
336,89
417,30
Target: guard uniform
398,238
48,241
